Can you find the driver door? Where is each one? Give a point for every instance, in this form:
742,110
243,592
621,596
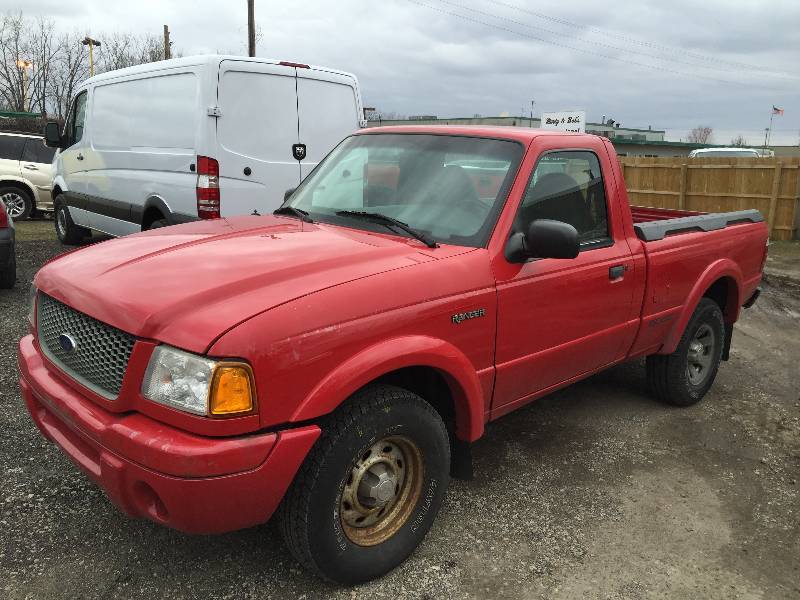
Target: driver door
561,318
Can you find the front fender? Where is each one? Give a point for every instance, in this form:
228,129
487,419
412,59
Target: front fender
719,269
398,353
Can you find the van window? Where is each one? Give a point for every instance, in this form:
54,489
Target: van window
328,113
11,147
36,152
153,112
568,187
77,118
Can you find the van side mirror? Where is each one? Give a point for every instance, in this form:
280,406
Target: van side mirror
544,239
52,135
288,193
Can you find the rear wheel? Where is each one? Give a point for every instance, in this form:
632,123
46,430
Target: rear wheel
683,377
370,488
66,230
19,203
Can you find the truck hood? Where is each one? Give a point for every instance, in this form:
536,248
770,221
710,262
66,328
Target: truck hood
187,285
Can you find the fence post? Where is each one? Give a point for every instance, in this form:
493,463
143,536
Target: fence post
682,194
773,200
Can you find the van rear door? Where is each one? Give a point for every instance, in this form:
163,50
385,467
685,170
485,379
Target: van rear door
256,131
328,107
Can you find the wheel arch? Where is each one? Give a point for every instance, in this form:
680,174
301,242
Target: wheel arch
21,184
722,282
155,208
432,368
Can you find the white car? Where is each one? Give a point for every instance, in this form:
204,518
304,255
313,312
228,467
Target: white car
194,138
25,174
725,152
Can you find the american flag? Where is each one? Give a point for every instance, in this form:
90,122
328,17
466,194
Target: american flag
776,110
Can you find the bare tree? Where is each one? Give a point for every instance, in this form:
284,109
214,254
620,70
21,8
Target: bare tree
120,50
739,141
13,49
71,66
700,134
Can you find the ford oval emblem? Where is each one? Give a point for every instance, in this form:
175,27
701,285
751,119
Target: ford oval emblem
67,343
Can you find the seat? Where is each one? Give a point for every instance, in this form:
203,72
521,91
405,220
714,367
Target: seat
556,196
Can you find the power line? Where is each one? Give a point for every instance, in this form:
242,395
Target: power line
661,69
638,42
591,42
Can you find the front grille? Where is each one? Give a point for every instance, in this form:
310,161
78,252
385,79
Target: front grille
91,352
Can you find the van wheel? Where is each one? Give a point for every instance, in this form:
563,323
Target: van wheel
8,276
158,224
683,377
370,488
19,203
68,233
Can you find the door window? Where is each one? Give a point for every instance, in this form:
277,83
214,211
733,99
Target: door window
36,152
568,186
11,146
77,117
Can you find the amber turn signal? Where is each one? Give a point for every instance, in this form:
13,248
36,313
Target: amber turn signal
232,390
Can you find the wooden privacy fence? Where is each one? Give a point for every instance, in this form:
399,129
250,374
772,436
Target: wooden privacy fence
771,185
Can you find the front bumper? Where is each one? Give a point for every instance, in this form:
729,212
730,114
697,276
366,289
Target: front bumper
148,469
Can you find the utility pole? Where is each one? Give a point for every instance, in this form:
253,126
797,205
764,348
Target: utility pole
251,27
167,51
87,41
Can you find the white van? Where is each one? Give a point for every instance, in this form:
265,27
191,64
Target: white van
198,137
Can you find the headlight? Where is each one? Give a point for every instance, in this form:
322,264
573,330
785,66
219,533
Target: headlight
197,384
32,306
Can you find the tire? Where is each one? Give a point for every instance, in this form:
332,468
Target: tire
68,233
158,224
8,275
683,377
19,204
318,517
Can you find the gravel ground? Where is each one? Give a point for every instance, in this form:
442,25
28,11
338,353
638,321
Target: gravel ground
595,492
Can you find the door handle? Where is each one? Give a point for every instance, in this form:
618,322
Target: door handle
617,271
32,167
79,157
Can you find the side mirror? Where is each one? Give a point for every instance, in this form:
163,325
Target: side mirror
544,239
52,136
288,193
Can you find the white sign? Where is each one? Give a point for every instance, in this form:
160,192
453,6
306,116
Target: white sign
573,121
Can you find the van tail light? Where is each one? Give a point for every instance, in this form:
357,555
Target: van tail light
296,65
3,216
208,205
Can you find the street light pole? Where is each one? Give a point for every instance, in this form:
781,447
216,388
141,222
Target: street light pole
87,41
24,65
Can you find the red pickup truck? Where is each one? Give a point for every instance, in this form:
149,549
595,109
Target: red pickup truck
334,361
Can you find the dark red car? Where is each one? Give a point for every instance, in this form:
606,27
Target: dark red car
335,360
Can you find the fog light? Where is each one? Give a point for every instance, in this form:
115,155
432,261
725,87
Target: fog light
231,390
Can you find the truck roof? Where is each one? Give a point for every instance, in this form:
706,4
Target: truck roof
520,134
189,61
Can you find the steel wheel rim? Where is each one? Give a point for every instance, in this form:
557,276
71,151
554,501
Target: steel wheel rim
61,222
15,204
700,356
381,490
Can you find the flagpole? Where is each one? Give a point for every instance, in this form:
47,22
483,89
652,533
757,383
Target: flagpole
769,131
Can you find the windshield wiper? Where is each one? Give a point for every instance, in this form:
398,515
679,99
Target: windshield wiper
295,212
381,219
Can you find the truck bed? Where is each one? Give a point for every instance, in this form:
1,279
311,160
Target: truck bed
652,224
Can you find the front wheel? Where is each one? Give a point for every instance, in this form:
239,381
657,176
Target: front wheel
370,488
683,377
68,233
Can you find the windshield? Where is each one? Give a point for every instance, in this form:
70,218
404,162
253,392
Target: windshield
447,187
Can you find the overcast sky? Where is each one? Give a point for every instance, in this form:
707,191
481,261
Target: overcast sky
670,64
